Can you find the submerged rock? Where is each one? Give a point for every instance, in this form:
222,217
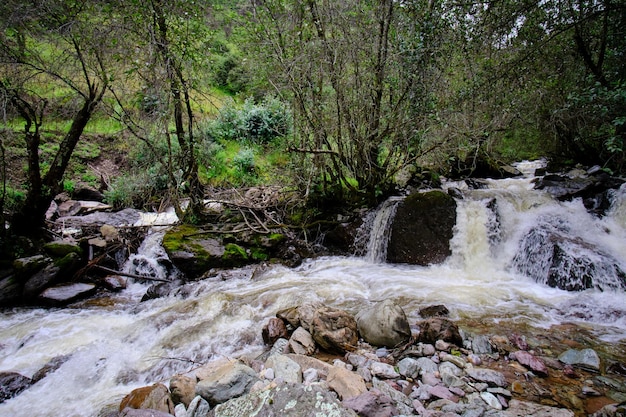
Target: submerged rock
11,384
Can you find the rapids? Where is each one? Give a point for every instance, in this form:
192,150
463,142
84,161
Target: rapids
117,344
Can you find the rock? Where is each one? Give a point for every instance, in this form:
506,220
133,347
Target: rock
114,282
285,368
198,407
11,384
284,400
61,248
131,412
87,194
409,368
51,274
52,365
422,229
301,342
10,290
66,293
481,345
372,404
183,389
530,361
489,376
585,358
125,217
611,410
383,324
307,362
345,383
442,392
402,402
436,328
426,365
434,311
550,256
279,347
155,397
524,409
25,267
228,381
383,370
290,315
274,330
491,400
333,329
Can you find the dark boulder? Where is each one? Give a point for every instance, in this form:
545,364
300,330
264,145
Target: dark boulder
548,255
11,384
422,229
437,328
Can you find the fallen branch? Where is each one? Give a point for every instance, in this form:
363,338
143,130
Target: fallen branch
127,274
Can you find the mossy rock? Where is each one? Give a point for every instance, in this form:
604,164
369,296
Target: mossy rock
61,248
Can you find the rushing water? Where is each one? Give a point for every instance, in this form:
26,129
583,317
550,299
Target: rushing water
117,346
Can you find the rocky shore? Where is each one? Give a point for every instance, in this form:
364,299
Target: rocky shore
325,362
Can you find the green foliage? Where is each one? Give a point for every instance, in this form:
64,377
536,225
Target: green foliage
257,123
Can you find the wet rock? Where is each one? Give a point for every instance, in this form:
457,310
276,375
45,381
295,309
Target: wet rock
11,384
125,217
372,404
345,383
436,328
287,399
525,409
301,342
183,389
489,376
611,410
530,361
584,358
551,257
434,311
114,282
333,329
66,293
25,267
291,316
155,397
274,330
229,380
285,368
10,290
52,365
51,274
422,229
383,324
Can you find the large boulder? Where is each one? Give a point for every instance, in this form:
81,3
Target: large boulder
422,229
284,400
155,397
64,294
383,324
334,330
11,384
552,257
194,250
438,328
229,380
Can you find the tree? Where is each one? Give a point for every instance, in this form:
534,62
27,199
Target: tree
357,74
48,45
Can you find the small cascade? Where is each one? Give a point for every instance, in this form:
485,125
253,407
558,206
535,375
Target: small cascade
151,259
380,230
476,233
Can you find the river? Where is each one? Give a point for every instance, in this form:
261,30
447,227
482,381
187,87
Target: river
117,344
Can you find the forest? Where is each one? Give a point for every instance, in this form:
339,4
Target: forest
343,101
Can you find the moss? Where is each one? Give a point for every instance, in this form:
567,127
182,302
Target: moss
234,251
175,237
258,254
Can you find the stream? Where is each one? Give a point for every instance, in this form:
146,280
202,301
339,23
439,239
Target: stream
119,343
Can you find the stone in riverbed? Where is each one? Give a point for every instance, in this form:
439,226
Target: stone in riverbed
489,376
345,383
585,358
155,397
301,342
183,389
529,360
285,368
372,404
383,324
66,293
437,328
284,400
274,330
334,330
229,380
524,409
11,384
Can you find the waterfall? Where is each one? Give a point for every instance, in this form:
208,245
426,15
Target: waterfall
380,230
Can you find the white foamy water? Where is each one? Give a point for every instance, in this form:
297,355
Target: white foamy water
127,344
